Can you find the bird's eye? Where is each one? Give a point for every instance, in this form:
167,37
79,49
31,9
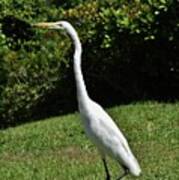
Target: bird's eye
60,26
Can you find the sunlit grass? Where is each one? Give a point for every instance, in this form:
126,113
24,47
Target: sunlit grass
57,148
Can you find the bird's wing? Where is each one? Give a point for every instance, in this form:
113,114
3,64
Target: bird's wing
107,131
105,134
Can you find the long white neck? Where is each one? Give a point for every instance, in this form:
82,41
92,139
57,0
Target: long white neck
82,94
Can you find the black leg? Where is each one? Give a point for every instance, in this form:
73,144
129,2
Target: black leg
106,169
126,172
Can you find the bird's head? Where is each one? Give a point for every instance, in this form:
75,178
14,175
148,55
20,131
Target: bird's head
58,25
61,25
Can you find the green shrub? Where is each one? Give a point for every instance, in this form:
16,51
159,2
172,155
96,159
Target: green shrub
144,35
29,69
65,4
32,67
130,49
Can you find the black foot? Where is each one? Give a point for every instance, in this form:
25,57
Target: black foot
106,169
108,177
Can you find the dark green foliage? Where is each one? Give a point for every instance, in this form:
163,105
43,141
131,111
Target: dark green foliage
16,29
65,4
130,52
30,69
146,35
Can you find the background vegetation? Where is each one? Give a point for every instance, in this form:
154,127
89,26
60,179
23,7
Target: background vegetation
130,53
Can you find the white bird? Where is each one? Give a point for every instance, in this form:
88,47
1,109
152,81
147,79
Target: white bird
98,125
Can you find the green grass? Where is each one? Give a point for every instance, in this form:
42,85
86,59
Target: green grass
57,148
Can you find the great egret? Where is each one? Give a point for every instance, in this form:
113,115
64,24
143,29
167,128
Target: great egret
98,125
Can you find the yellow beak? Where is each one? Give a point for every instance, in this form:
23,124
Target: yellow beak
45,25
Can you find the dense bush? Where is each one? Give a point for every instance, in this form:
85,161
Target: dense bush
146,36
32,66
64,4
29,69
130,51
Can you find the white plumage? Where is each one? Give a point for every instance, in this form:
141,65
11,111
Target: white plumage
104,133
99,126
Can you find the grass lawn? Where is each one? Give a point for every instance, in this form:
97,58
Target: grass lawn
57,148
